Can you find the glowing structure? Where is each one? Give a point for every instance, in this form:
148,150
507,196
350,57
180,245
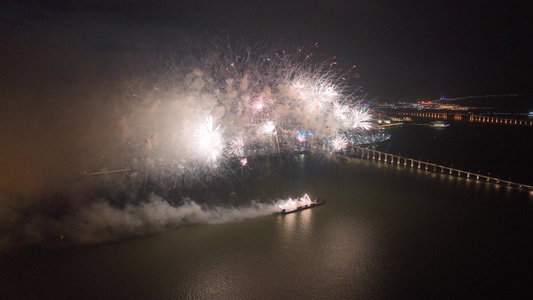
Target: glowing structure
302,203
292,204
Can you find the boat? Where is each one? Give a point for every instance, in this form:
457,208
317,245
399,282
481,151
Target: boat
305,204
439,124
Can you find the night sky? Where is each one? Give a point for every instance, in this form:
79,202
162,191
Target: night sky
82,89
403,51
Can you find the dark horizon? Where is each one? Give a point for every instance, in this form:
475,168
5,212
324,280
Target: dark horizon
402,51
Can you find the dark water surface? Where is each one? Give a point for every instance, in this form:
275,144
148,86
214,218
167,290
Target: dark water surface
501,150
386,232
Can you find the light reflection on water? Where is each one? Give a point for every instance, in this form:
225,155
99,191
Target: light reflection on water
296,225
384,231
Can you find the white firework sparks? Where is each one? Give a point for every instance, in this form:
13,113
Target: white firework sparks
240,88
340,111
236,147
291,204
339,142
209,141
269,128
316,93
361,119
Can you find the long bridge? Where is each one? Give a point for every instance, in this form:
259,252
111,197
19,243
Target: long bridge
398,160
435,115
469,117
488,119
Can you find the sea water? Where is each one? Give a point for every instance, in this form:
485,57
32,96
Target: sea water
385,232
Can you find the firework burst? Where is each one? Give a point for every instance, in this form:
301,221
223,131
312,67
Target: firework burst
341,111
361,119
251,94
236,147
339,142
209,141
269,128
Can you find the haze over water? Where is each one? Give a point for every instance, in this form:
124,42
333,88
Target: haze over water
385,232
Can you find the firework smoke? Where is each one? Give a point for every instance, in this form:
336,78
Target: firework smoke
250,94
176,130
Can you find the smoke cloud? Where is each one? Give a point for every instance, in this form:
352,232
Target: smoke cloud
93,151
101,221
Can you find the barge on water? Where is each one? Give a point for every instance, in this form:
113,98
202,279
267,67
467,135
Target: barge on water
295,208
